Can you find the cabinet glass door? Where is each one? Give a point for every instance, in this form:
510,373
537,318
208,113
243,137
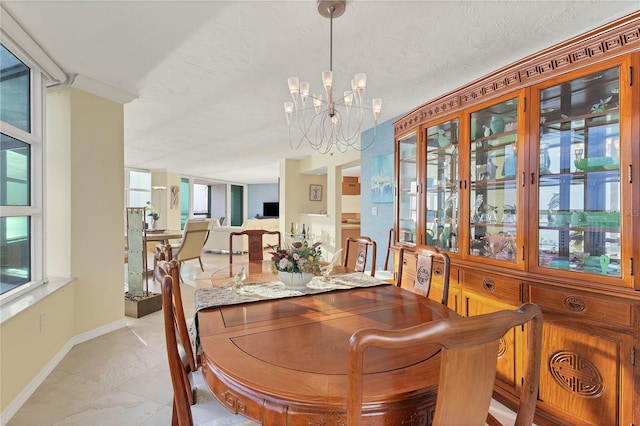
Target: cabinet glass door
493,187
579,192
442,186
408,189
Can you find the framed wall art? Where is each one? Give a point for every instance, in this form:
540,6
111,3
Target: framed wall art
315,192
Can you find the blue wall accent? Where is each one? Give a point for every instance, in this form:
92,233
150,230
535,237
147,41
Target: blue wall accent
376,227
258,194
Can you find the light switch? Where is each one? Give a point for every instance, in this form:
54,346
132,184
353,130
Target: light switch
374,211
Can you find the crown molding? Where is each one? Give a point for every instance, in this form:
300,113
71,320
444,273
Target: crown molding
102,89
17,38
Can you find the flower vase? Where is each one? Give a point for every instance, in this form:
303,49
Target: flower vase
295,280
154,224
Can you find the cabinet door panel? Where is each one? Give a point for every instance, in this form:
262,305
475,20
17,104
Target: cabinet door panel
407,189
580,375
580,162
507,369
441,186
494,183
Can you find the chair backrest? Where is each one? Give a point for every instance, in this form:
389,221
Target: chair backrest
172,268
470,349
256,248
426,270
162,252
392,237
196,232
182,394
361,258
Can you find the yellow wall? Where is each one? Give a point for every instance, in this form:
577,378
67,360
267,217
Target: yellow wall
84,225
161,199
97,193
25,350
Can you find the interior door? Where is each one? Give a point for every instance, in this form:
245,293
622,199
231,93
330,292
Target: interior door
237,205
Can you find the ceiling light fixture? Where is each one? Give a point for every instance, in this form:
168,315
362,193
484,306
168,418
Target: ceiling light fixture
336,121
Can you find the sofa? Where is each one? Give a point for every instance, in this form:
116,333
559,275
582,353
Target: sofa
218,240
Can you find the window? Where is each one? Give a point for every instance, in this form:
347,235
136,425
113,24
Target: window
138,188
201,200
21,166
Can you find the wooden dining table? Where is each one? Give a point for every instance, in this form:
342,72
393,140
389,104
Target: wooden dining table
285,361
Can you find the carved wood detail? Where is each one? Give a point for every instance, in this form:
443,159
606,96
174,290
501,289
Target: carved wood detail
503,347
576,374
488,284
615,39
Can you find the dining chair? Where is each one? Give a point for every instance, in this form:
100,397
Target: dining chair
386,274
470,349
171,268
194,237
255,246
363,244
426,269
162,252
193,402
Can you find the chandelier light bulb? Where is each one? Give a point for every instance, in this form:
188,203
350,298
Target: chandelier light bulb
348,99
327,81
376,106
361,81
288,110
294,86
304,91
317,102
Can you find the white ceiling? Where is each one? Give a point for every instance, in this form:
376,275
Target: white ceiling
209,77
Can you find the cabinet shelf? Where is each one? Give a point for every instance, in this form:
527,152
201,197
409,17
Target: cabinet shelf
580,229
560,124
496,141
578,178
509,226
499,183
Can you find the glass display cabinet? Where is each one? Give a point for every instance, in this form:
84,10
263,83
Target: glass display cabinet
407,189
528,179
579,191
493,188
441,184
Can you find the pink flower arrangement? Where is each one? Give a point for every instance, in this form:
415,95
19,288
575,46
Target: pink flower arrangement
299,257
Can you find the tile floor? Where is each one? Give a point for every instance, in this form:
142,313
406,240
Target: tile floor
122,378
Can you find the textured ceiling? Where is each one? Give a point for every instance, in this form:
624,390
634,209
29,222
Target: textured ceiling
209,77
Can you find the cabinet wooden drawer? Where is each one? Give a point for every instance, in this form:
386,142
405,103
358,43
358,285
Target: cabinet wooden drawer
582,306
495,287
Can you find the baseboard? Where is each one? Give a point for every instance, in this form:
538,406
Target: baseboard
26,393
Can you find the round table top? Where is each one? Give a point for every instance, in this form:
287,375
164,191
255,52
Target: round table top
287,358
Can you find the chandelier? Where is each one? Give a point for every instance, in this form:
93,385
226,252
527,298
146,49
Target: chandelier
336,121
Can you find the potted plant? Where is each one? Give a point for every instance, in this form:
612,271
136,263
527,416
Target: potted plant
153,215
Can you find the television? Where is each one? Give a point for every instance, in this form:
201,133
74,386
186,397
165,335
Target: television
271,209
